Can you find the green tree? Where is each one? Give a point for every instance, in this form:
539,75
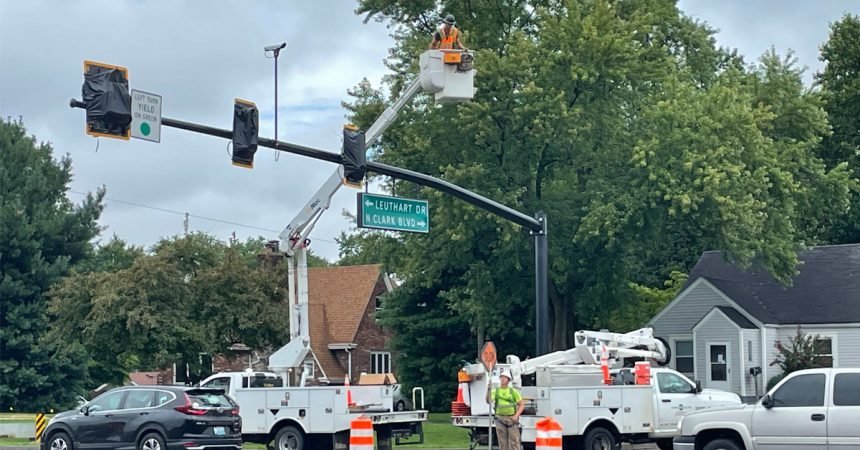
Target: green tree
115,254
193,294
644,303
840,87
42,234
628,126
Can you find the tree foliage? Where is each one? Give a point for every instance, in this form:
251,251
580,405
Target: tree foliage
42,234
644,143
840,88
193,294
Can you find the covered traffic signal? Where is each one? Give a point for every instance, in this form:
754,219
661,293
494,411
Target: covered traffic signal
246,126
354,154
107,100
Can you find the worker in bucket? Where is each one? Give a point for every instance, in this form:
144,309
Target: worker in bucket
508,406
447,37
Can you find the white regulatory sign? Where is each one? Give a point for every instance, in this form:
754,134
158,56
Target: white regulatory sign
145,116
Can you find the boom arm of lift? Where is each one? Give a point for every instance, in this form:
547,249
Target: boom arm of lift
587,347
295,238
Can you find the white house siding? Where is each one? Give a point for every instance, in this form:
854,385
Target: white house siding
718,329
753,336
679,319
846,345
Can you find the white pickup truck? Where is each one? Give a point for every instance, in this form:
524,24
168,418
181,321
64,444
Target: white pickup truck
816,409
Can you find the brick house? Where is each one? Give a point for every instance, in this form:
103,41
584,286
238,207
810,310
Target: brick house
345,336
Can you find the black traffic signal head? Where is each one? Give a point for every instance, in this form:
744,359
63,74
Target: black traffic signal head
354,154
246,125
107,100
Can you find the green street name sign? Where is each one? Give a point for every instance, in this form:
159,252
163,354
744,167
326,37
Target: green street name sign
393,213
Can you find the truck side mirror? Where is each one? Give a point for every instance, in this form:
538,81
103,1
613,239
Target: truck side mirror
767,401
698,387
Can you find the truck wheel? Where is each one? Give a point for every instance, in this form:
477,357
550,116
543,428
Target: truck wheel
289,438
664,444
722,444
600,439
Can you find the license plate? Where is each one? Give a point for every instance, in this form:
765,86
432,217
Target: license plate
220,431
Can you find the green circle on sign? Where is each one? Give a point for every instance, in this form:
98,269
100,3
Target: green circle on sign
144,128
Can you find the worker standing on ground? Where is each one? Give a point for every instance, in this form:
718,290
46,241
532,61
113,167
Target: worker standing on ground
447,37
508,406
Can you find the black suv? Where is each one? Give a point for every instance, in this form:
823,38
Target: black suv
149,418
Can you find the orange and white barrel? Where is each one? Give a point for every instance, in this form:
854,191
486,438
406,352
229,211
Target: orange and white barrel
361,434
548,434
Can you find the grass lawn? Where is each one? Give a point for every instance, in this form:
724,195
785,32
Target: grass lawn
439,433
16,441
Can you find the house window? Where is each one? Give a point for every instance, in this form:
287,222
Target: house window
684,356
378,301
749,351
309,368
380,362
719,363
824,352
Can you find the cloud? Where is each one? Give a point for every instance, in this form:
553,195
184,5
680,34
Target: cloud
753,27
199,55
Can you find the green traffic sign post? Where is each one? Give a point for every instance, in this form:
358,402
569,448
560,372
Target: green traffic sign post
382,212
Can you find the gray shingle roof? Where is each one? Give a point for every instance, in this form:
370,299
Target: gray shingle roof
736,317
827,289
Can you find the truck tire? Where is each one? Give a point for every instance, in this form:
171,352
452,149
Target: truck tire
289,438
722,444
599,438
664,444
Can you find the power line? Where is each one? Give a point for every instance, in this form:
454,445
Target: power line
196,216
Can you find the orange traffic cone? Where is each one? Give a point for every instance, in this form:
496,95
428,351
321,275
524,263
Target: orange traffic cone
604,365
349,401
459,406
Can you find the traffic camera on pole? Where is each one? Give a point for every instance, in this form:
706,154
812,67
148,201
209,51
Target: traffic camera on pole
107,100
246,127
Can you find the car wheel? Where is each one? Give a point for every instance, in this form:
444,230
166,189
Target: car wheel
400,406
722,444
289,438
151,441
664,444
600,439
61,441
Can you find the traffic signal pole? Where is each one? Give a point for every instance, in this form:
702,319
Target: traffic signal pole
537,225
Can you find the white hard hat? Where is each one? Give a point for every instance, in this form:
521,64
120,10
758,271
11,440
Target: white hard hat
506,373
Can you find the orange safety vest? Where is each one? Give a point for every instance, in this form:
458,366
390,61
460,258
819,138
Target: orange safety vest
448,41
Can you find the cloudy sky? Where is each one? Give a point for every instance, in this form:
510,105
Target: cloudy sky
200,55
